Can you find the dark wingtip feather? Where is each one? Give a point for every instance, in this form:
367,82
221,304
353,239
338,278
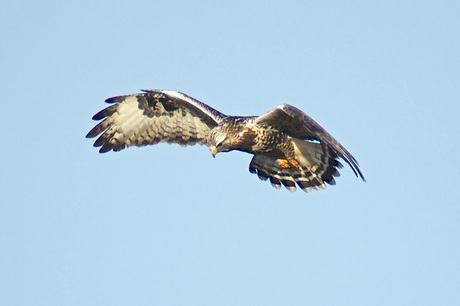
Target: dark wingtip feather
100,141
331,181
355,167
362,177
290,185
338,164
98,129
304,185
353,163
94,132
275,182
115,99
261,174
100,115
105,148
106,112
91,134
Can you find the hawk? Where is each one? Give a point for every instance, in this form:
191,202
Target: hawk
289,148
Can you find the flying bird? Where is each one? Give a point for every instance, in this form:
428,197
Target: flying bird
289,148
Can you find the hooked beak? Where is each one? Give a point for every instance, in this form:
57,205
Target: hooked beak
213,150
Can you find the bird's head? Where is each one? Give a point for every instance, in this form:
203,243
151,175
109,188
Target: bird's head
218,141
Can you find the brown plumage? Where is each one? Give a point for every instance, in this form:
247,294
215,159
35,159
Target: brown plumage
289,147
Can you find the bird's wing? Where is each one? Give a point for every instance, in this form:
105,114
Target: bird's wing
151,117
317,165
295,123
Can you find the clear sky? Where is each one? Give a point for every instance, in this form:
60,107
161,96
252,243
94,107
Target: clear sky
166,225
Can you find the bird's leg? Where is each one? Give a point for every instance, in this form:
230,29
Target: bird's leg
286,163
294,163
283,163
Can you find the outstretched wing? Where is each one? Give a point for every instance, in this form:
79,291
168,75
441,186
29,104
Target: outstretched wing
295,123
151,117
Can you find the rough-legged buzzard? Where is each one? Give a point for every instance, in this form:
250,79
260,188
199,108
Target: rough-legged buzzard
289,147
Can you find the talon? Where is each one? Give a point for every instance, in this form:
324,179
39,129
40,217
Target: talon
294,163
286,164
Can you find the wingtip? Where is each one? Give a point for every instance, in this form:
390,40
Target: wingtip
358,173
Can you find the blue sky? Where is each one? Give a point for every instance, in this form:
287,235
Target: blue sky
166,225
